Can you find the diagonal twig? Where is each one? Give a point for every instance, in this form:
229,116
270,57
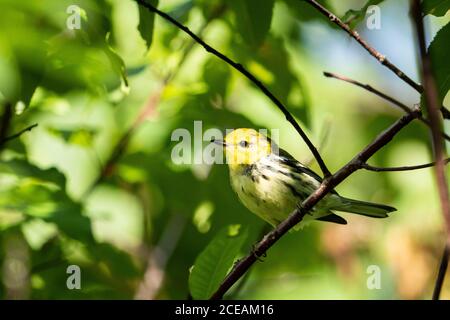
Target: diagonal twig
402,168
249,76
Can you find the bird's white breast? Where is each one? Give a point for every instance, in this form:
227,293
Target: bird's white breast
264,195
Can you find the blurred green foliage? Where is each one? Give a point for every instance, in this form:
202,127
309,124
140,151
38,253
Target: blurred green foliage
94,184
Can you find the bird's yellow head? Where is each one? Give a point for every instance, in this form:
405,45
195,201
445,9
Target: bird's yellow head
244,147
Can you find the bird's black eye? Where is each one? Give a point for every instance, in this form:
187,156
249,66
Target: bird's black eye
243,143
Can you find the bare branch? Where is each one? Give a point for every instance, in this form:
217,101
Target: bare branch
326,186
249,76
433,106
402,168
369,88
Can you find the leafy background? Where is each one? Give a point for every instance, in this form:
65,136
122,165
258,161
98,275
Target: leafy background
94,185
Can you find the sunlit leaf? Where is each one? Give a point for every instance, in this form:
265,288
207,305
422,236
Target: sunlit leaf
24,169
214,261
69,219
116,61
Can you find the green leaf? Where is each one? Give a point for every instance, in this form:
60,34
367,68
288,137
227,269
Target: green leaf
85,54
31,74
24,169
437,8
29,65
213,263
146,22
253,19
439,51
70,220
117,62
44,200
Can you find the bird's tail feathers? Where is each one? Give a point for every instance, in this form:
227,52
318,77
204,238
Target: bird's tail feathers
364,208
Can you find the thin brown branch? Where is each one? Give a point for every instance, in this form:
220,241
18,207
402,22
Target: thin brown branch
441,274
402,168
249,76
326,186
394,101
373,52
433,106
369,88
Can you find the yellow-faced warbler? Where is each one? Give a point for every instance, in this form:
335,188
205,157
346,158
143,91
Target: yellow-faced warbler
271,183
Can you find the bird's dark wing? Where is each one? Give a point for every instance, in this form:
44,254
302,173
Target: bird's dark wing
288,160
333,218
297,166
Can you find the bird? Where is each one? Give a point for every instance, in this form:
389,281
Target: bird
272,184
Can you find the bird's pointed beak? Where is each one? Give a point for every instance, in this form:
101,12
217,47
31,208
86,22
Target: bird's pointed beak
219,142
